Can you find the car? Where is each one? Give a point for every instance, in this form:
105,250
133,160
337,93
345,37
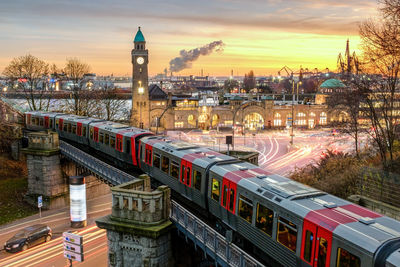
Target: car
28,237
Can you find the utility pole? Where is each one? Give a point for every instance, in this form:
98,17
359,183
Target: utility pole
291,132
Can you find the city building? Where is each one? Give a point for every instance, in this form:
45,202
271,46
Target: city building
153,108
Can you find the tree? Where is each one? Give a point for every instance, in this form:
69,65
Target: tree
348,103
380,40
30,72
112,104
249,81
230,85
80,100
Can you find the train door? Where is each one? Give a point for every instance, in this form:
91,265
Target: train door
228,201
79,129
186,178
61,125
316,245
46,122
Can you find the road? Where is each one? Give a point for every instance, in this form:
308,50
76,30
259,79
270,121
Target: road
51,253
275,152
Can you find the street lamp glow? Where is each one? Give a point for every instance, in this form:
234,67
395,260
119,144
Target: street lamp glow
5,89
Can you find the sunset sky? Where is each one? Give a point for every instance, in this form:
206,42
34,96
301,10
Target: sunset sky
259,35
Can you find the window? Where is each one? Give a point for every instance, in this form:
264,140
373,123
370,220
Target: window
65,127
69,127
225,197
106,139
188,173
84,131
245,208
308,242
156,160
119,143
322,118
128,150
165,164
287,233
215,189
101,138
264,219
112,141
148,156
41,122
57,121
51,123
301,119
175,170
91,133
345,258
73,129
183,174
197,179
322,250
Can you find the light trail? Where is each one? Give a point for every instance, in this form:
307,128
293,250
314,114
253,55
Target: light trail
50,249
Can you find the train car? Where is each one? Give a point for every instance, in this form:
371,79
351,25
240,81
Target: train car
182,166
36,120
283,220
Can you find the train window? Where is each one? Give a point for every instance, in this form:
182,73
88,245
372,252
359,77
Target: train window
57,121
175,170
73,129
183,174
287,233
91,133
225,197
245,208
215,189
106,139
41,122
322,250
308,242
51,123
101,138
112,141
197,179
148,156
156,160
84,131
69,127
264,219
345,259
231,199
128,150
65,127
188,173
165,164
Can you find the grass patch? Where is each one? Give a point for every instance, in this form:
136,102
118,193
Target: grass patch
13,186
12,205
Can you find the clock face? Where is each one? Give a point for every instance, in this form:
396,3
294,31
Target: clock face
140,60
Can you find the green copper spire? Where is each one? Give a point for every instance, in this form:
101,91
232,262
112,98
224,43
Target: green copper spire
139,36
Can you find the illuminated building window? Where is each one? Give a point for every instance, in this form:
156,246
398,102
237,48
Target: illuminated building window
301,119
277,119
322,118
179,124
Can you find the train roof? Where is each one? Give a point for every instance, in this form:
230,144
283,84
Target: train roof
200,156
43,113
119,128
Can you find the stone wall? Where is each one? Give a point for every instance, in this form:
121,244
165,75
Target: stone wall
138,228
377,206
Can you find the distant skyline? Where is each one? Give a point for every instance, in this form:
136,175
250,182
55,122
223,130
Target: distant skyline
259,35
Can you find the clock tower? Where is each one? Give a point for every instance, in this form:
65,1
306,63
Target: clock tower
140,116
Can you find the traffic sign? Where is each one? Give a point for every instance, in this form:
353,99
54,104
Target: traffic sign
73,256
72,238
40,201
73,247
228,140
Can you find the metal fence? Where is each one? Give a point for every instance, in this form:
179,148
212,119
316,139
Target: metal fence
209,240
97,167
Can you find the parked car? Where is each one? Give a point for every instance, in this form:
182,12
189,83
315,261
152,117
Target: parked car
28,237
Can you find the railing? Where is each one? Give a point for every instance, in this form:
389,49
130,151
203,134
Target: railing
97,167
211,242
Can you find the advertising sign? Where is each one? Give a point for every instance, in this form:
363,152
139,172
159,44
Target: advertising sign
78,202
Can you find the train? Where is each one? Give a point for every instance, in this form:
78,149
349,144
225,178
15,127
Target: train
280,219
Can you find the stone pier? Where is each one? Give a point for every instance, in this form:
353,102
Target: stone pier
138,229
44,172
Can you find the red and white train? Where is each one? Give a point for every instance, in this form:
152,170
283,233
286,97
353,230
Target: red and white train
283,221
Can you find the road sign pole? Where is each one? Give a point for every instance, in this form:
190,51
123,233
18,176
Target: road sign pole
40,204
